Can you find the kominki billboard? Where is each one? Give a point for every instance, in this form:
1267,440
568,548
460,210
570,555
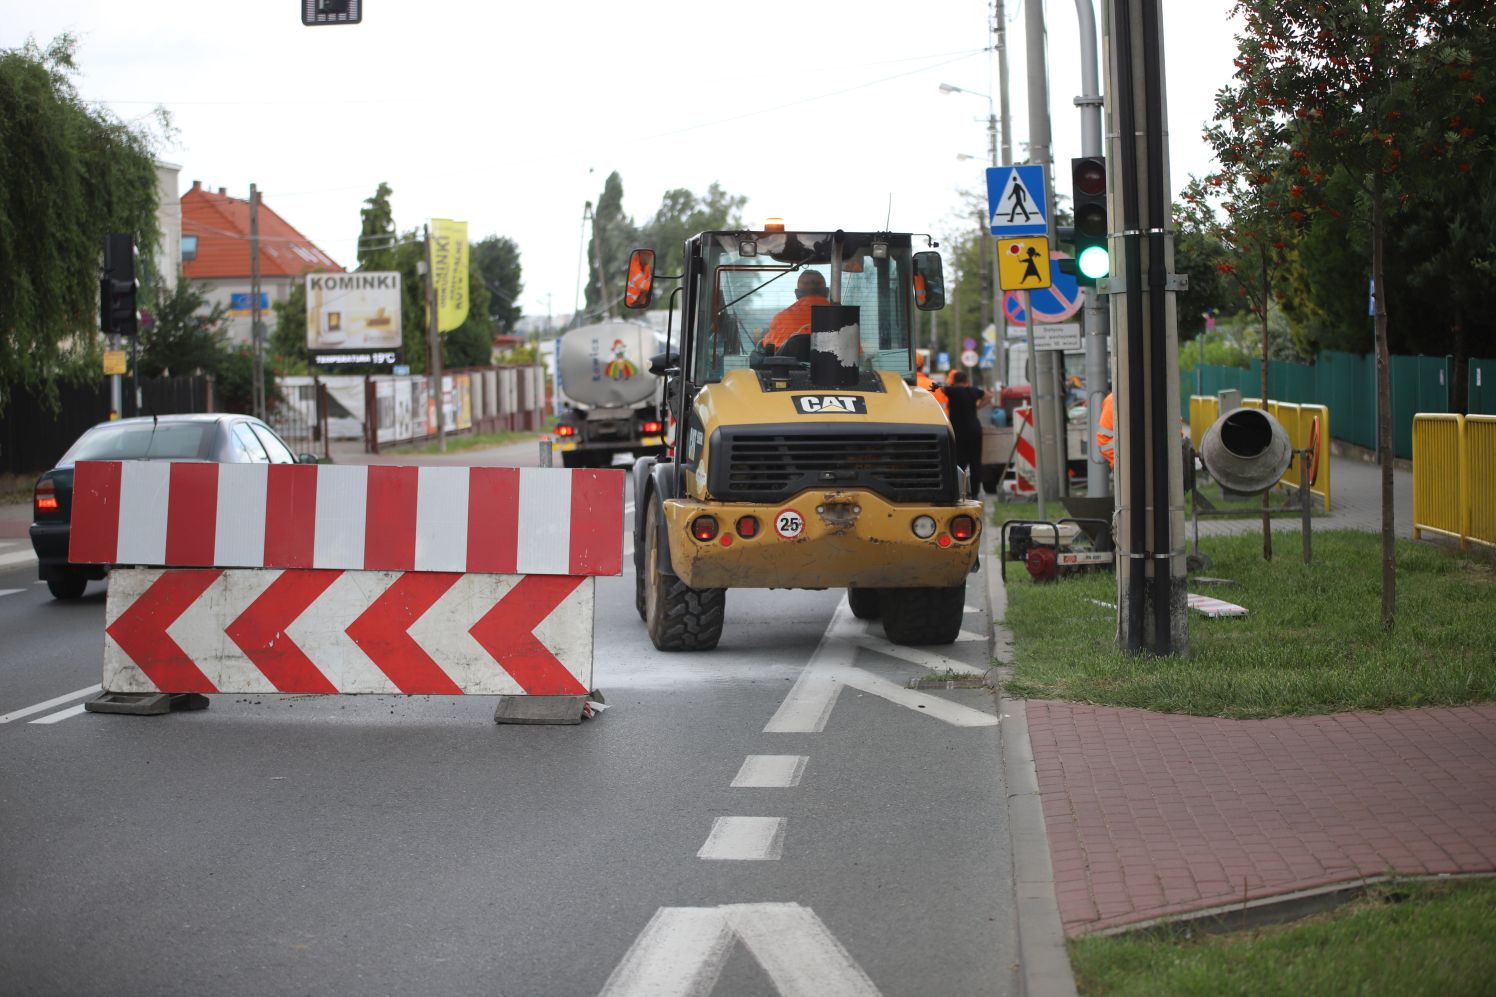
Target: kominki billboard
353,317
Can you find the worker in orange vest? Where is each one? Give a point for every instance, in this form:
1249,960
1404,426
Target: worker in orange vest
927,382
1106,432
810,290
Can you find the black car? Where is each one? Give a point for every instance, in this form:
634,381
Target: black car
219,438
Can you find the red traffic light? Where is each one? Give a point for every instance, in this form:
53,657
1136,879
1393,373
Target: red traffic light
1089,176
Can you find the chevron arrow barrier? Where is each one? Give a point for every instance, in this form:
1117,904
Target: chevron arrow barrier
308,631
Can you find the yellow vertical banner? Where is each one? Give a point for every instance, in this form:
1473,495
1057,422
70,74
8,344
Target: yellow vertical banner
449,272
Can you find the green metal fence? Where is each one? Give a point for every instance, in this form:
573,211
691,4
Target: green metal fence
1346,384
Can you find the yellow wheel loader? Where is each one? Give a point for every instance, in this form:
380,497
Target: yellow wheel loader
799,453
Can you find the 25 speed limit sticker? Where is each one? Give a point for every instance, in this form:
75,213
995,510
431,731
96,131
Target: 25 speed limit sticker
789,524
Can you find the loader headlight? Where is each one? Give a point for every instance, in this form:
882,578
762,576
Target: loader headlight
924,527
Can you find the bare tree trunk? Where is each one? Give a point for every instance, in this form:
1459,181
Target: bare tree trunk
1267,516
1384,408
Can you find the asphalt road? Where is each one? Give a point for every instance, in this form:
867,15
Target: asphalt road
371,845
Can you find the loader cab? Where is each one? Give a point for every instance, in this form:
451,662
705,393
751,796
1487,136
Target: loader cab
736,283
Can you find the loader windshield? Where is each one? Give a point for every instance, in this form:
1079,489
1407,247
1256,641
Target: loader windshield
744,293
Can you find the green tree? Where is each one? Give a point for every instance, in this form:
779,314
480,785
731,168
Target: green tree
69,174
1394,94
497,267
614,237
682,214
377,237
186,337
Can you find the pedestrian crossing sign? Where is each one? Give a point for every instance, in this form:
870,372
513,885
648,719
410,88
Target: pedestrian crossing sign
1018,200
1023,264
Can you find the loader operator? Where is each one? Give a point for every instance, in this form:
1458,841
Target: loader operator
810,290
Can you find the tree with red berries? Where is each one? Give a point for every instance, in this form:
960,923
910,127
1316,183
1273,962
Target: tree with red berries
1394,94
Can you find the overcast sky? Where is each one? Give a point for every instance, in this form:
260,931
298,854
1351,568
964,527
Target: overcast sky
511,115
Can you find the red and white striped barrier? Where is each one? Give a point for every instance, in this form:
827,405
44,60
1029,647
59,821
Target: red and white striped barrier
531,521
1025,459
306,631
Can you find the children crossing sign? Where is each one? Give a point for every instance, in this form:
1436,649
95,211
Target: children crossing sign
1017,200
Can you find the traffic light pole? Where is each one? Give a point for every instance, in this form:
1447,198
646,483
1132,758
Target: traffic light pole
1098,367
1150,533
1048,412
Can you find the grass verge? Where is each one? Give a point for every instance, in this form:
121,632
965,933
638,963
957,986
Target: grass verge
1407,939
1312,642
457,444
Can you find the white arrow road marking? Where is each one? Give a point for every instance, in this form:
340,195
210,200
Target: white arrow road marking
682,951
55,701
808,706
5,592
918,656
744,839
770,772
968,635
19,557
59,716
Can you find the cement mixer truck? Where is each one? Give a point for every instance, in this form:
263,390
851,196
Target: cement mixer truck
609,401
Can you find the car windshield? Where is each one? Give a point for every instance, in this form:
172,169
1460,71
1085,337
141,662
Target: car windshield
142,441
747,292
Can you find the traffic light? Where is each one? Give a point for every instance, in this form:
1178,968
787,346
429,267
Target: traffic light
117,314
1092,255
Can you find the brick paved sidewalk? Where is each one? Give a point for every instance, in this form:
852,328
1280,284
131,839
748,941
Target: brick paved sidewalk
1150,815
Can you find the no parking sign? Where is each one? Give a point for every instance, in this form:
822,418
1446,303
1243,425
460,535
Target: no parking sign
1056,303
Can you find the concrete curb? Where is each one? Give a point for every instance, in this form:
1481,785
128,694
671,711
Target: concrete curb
1044,963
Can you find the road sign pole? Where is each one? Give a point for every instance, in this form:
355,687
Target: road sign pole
1041,455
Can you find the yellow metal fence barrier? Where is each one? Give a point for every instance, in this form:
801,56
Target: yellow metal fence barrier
1480,478
1440,504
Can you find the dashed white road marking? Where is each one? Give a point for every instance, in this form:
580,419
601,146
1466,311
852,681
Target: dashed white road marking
5,592
59,716
744,839
682,951
770,771
43,707
809,703
19,557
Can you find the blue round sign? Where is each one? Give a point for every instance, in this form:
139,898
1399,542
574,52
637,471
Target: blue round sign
1056,303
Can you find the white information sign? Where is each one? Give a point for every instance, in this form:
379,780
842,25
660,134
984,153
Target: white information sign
1063,336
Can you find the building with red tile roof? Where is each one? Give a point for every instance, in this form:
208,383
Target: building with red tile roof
215,255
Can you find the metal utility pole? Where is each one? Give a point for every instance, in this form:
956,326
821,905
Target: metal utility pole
1098,369
1002,155
434,340
255,333
1150,483
1049,415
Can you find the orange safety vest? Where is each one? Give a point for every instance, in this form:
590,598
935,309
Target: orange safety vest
793,321
928,383
1106,432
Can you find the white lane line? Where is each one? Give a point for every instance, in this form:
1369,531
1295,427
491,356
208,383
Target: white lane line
683,950
966,635
628,544
43,707
970,609
59,716
19,557
770,771
744,839
5,592
628,507
809,703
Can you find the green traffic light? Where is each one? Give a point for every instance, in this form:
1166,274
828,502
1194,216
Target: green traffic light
1094,261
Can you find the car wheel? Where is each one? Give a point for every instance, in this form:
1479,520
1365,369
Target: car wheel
866,604
924,615
67,585
679,618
